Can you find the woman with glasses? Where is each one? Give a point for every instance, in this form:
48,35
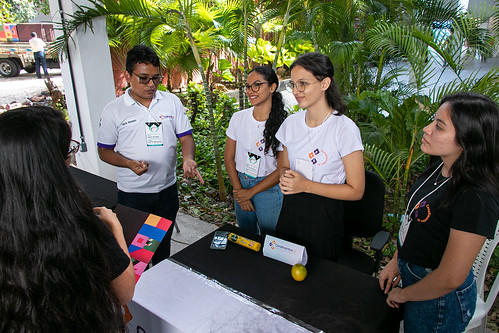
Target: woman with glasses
64,267
322,161
453,207
251,153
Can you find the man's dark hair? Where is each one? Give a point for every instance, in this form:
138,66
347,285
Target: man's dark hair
33,34
140,54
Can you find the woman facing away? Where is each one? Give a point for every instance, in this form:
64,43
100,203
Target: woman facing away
453,207
251,153
64,267
322,161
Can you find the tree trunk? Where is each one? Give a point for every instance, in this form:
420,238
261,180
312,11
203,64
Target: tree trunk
209,105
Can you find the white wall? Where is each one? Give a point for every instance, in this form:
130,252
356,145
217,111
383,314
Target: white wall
88,84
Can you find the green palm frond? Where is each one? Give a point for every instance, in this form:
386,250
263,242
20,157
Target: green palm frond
487,84
384,163
435,13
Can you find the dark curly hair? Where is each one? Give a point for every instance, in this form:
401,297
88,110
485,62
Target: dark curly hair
321,67
140,54
277,112
54,269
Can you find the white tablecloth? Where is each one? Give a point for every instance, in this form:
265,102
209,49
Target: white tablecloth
172,298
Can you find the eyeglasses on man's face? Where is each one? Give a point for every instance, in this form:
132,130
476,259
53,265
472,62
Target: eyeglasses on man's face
74,147
254,86
300,85
144,79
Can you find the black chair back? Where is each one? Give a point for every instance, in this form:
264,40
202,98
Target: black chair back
364,218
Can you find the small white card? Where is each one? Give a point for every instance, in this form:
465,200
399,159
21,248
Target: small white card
154,133
252,165
284,251
304,167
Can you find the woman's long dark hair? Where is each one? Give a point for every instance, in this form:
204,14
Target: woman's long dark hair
476,120
277,112
321,67
54,269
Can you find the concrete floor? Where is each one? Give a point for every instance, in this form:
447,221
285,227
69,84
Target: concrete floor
190,229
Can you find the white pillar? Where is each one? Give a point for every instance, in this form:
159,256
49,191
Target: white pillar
88,84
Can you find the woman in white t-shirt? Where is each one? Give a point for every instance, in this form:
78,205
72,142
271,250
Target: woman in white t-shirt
322,161
251,151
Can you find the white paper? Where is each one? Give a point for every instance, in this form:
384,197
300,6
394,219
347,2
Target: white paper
284,251
304,167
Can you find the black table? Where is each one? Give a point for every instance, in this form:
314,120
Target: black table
332,298
101,191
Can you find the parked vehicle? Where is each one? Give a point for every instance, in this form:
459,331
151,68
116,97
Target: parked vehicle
15,50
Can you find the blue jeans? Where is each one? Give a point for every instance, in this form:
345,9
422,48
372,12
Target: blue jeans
40,61
267,207
164,204
449,313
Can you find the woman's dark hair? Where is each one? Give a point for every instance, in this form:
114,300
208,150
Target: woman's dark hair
277,112
476,120
321,67
54,270
140,54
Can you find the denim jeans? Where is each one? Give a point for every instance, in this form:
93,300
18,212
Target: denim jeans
164,204
449,313
267,207
40,61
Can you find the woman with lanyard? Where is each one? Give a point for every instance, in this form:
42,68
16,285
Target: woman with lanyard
453,207
322,161
251,151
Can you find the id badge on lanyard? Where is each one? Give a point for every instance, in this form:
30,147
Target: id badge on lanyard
154,133
252,165
404,228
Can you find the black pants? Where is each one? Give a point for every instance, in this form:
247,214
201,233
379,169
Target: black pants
313,221
164,204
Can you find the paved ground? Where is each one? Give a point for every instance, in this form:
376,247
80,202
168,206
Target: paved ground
17,89
190,229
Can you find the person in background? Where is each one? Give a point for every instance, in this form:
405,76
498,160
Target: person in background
64,266
138,133
453,207
251,153
322,161
38,49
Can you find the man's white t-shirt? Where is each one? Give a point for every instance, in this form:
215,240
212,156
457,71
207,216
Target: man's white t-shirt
37,44
323,146
123,127
248,134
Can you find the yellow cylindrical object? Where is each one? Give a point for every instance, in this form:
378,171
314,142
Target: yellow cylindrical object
250,244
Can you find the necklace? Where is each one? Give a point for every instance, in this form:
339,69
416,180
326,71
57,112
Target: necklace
325,118
438,176
258,122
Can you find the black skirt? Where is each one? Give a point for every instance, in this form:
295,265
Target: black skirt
313,221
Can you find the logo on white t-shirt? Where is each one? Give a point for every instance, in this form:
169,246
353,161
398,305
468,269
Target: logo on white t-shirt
318,157
260,144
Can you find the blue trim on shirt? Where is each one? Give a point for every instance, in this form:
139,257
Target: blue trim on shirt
189,132
101,145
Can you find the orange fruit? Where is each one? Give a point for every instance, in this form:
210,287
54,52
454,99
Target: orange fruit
298,272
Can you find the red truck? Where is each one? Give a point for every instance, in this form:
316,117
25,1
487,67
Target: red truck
15,51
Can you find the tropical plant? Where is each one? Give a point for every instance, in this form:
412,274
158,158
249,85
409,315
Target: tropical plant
391,132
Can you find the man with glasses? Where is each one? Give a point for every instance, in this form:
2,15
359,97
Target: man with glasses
138,133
